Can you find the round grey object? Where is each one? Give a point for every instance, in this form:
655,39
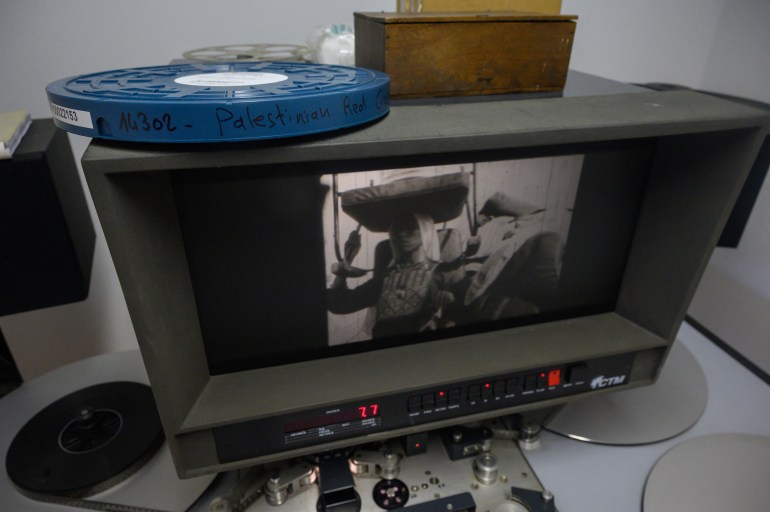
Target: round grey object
711,473
155,485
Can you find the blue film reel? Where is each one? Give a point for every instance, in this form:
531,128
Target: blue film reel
218,102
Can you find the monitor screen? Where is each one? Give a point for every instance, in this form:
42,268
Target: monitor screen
289,267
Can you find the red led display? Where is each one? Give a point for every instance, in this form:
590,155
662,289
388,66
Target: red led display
368,411
333,417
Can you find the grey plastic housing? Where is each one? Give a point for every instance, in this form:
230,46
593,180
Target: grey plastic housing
702,148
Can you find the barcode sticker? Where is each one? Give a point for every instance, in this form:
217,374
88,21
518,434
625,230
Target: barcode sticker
71,116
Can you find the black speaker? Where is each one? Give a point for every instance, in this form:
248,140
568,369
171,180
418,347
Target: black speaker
46,234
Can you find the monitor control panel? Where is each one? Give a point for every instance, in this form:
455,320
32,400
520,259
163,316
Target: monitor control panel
419,407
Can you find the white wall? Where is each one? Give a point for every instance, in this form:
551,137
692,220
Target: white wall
711,44
644,41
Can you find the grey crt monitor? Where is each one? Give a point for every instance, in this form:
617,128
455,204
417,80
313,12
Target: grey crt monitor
281,310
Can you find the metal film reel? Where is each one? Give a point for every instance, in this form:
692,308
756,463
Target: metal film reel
250,53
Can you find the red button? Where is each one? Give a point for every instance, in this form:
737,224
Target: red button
554,378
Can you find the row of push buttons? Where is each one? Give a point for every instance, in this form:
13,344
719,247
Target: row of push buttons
498,388
513,385
427,401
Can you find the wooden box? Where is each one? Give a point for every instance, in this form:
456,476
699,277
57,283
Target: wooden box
462,54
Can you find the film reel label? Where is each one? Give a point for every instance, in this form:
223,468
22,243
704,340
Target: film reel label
230,120
245,119
234,122
236,79
140,121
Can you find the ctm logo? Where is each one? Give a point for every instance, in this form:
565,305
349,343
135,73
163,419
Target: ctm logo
602,382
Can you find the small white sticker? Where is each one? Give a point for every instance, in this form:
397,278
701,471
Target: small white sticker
234,79
71,116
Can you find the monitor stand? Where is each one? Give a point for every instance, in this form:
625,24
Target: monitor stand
642,415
